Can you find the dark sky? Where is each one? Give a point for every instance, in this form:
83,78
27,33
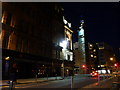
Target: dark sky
102,20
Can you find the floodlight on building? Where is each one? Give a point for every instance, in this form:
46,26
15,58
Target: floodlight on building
63,44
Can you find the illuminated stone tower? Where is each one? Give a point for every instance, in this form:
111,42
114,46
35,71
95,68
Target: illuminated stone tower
81,44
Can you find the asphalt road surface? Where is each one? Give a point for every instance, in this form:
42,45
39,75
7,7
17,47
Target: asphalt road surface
79,82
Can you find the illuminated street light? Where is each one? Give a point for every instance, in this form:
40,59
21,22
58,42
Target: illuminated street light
111,59
7,58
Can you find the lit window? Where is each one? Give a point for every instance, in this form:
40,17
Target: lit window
101,48
3,17
12,22
94,56
94,50
90,48
102,65
91,55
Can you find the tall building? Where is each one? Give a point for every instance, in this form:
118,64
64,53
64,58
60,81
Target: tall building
93,57
101,56
79,50
31,36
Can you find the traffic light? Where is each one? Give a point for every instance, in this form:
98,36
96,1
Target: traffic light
83,66
115,64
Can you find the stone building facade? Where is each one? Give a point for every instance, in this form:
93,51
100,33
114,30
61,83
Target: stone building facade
30,37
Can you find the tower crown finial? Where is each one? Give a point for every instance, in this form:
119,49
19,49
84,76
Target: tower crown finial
81,24
82,21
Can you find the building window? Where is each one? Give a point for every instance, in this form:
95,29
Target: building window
19,44
5,40
91,45
91,55
94,50
95,56
25,48
8,19
23,26
13,22
68,57
58,54
3,20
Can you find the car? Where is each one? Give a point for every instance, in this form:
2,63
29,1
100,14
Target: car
94,74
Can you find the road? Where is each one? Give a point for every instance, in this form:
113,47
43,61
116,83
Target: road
66,83
79,82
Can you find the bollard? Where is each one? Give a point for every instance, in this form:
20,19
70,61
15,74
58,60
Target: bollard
47,76
98,79
36,78
56,76
72,83
11,85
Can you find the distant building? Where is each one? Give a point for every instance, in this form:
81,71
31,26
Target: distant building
31,36
101,56
93,60
79,50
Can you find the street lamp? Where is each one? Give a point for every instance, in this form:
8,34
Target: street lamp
7,58
111,59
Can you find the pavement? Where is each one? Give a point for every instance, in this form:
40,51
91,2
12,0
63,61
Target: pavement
105,83
30,80
4,83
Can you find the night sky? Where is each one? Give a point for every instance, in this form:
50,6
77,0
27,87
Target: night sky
102,21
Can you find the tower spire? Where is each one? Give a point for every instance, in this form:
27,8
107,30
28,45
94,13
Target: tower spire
81,24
